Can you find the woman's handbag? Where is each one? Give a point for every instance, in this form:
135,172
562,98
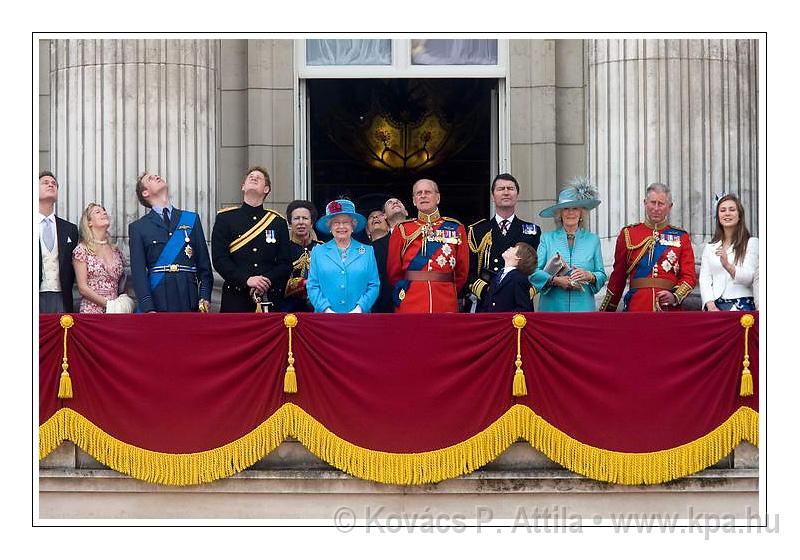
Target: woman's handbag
123,304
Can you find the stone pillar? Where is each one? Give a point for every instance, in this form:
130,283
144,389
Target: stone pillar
546,80
682,112
44,104
119,107
270,115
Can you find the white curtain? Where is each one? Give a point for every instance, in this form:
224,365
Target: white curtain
454,51
347,52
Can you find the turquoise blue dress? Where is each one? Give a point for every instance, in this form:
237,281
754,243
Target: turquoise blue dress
584,253
341,284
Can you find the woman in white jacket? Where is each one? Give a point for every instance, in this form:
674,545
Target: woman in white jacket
730,261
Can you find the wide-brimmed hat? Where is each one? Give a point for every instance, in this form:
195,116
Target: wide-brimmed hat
338,208
579,194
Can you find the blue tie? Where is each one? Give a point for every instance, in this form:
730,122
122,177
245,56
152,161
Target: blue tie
49,234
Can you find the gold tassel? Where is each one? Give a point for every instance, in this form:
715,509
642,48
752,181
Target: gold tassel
520,389
746,387
65,383
290,378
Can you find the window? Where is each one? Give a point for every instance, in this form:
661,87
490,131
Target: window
453,51
348,52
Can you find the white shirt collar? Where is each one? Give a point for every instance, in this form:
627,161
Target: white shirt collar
510,219
52,216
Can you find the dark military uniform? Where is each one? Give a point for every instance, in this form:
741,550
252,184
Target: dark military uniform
296,299
239,252
487,245
186,280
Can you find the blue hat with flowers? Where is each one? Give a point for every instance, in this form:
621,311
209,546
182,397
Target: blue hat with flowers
340,207
578,194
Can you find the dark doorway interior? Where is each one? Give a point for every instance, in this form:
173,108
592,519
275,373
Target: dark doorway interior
372,139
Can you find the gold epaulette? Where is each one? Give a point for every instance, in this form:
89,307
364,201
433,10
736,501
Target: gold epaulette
221,210
452,220
678,228
476,223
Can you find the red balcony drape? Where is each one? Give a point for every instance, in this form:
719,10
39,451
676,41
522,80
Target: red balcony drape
189,398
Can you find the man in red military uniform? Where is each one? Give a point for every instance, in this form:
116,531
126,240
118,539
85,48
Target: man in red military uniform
428,257
656,257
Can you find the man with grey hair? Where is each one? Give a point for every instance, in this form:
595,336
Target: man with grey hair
428,257
656,260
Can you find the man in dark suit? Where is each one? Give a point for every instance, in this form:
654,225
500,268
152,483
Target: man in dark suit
251,249
169,256
395,212
57,239
488,239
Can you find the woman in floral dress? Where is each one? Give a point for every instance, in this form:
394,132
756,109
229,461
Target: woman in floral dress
98,263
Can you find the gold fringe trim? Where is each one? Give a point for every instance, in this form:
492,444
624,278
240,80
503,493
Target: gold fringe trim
178,469
640,468
406,468
400,468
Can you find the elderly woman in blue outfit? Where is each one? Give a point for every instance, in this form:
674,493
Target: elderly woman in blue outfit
573,286
343,276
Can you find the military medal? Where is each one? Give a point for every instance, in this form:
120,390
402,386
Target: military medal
270,236
185,229
529,229
189,251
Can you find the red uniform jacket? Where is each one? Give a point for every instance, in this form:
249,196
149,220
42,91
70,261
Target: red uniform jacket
653,258
428,264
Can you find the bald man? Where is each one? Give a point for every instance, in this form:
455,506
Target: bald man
428,258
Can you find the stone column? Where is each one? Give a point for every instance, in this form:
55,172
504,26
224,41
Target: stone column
270,115
546,79
119,107
682,112
257,78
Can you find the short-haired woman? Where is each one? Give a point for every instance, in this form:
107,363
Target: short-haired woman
301,215
343,277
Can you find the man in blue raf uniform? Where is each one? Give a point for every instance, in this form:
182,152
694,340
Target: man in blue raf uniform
251,250
488,239
169,257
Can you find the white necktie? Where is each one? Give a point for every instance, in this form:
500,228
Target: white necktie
49,234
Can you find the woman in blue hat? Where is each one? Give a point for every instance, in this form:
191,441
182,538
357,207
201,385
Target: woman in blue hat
570,269
343,277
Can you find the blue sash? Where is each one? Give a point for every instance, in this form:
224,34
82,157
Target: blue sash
420,260
173,247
